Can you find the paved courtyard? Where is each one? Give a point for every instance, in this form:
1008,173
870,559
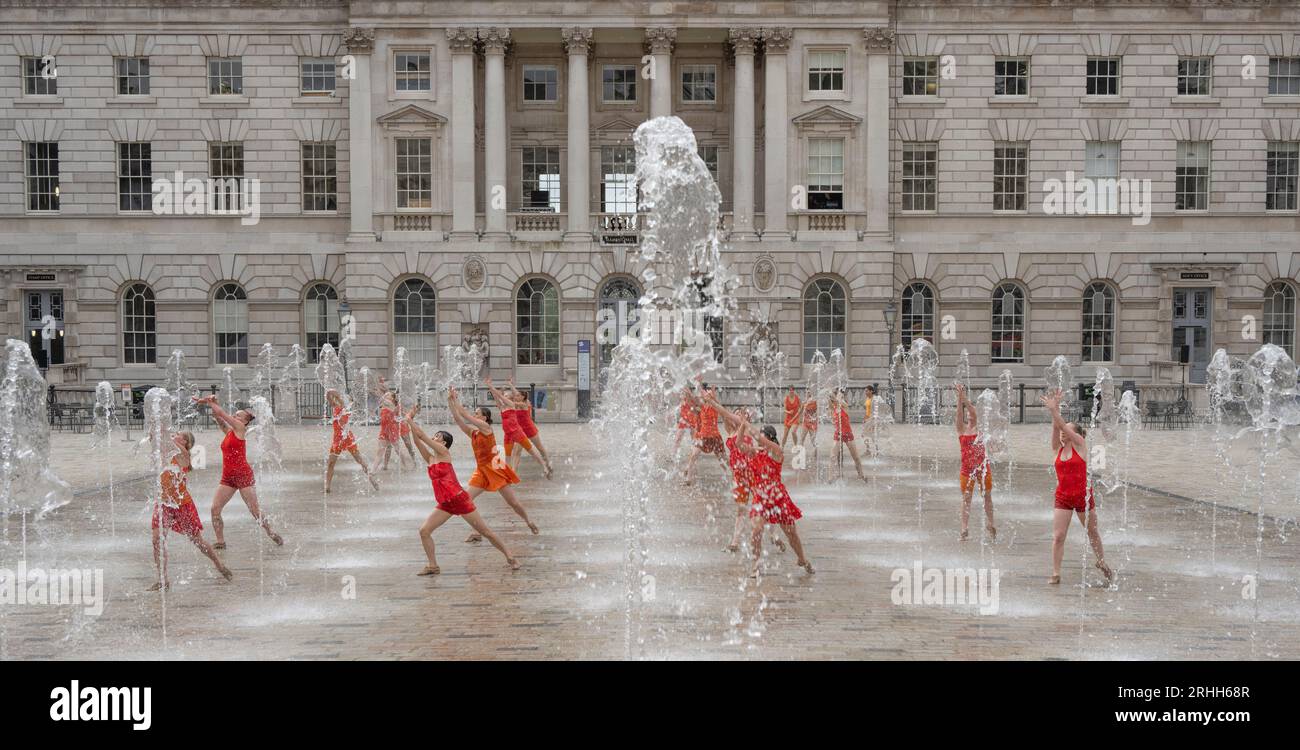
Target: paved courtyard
343,586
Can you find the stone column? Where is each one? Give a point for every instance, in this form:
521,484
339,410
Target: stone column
880,45
495,41
577,41
776,118
360,43
659,42
461,43
743,42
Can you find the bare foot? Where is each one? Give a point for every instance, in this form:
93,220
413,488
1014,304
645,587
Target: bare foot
279,540
733,547
1054,580
225,573
474,538
373,482
1105,570
158,586
533,528
965,534
549,471
993,533
513,563
430,570
780,545
807,566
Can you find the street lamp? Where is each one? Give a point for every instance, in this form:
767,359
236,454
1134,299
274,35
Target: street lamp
890,312
345,328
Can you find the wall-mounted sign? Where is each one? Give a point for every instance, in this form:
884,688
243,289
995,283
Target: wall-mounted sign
1193,275
40,277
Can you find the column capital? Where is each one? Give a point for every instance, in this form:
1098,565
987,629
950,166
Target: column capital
577,40
495,39
359,40
460,40
776,39
660,39
744,39
878,38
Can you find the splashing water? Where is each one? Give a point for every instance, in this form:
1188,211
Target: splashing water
1057,377
105,423
177,383
27,483
229,391
919,367
158,409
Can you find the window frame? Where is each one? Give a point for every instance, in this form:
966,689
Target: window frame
1184,76
810,92
1094,77
634,82
132,181
1022,79
49,178
1000,178
555,197
148,316
1291,75
530,288
929,75
926,317
399,75
35,79
415,287
327,160
1090,157
235,76
141,74
400,159
817,290
234,293
1180,178
1108,329
524,68
324,63
1021,316
322,293
930,167
1286,180
226,162
809,172
686,68
1269,330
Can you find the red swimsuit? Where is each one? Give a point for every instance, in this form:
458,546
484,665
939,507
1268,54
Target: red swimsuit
1072,490
514,433
235,471
525,418
451,497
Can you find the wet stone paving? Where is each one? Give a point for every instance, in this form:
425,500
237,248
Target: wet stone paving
1194,580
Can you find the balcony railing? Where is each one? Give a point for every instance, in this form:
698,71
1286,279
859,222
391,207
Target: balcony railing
537,222
619,228
412,222
831,222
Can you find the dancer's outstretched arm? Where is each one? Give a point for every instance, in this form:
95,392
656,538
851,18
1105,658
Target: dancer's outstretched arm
730,417
773,449
429,450
502,403
467,420
224,419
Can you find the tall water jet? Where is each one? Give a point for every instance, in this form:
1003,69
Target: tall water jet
28,485
266,456
177,384
105,423
920,365
1058,377
1103,440
229,397
266,366
1219,387
292,379
158,426
1130,415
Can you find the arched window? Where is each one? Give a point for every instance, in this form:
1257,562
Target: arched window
230,324
824,318
537,323
917,313
1098,323
617,313
139,326
1279,316
320,311
1008,342
415,320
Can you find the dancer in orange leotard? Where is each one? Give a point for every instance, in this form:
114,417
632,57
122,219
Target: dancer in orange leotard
975,469
343,440
1074,496
772,503
178,513
791,422
493,473
809,410
688,418
236,474
452,499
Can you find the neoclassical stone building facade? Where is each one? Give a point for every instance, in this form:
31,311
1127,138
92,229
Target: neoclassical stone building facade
445,172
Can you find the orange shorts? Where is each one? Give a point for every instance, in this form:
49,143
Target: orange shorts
970,481
510,446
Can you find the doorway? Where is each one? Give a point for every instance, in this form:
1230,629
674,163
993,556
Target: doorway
1191,329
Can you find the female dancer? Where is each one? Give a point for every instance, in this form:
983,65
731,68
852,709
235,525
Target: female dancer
742,471
975,469
844,433
343,440
1073,495
512,430
452,499
772,503
809,419
869,424
688,418
791,416
178,512
389,431
709,440
532,435
236,474
493,473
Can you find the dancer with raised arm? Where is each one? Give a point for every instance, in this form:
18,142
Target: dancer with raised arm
236,473
512,430
742,471
178,512
844,433
532,435
791,421
343,440
390,433
809,417
493,473
708,439
975,469
772,503
1074,496
452,499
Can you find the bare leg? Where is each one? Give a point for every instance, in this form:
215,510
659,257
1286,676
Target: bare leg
690,465
435,519
857,460
537,441
356,454
409,448
1094,536
756,538
988,514
966,492
249,494
224,493
1060,528
329,471
476,522
513,501
741,512
785,434
792,533
159,560
211,554
546,466
473,492
514,456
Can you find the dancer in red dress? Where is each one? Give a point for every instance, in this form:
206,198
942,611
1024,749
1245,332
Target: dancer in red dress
343,440
512,429
452,499
390,432
493,472
975,469
844,433
810,423
742,470
236,474
1073,494
708,439
791,422
532,435
772,503
178,513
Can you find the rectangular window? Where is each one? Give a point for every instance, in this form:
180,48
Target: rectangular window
1283,166
1103,76
134,176
618,180
1192,176
700,83
226,168
710,156
1101,159
920,176
39,77
541,83
320,186
826,174
826,70
132,76
316,76
1011,76
1284,76
1010,176
42,173
414,71
1195,74
921,77
414,173
541,178
618,84
225,76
